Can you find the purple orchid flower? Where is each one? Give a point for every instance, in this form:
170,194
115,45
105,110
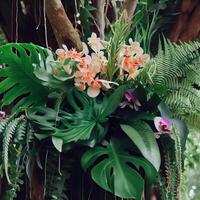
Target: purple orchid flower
2,115
163,126
130,100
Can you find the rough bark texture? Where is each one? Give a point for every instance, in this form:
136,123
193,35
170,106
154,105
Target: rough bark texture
187,24
36,185
63,29
129,6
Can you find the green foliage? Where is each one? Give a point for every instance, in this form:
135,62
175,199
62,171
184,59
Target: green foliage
85,10
13,127
168,181
174,74
111,103
19,84
149,21
78,123
191,184
57,110
120,32
44,71
143,137
113,169
171,182
84,120
14,138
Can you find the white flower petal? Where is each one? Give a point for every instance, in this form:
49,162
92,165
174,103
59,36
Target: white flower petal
93,92
157,122
88,59
59,51
65,47
85,49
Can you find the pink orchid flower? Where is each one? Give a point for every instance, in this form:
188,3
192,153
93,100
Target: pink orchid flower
130,100
163,126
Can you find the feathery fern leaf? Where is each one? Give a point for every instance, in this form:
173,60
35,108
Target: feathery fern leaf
14,138
7,137
174,72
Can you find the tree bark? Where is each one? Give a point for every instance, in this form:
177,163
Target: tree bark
63,29
36,184
129,6
187,24
99,15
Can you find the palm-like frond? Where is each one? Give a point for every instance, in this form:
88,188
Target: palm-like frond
18,81
174,72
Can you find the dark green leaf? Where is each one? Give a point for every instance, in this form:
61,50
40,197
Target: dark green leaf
143,137
113,101
113,169
19,80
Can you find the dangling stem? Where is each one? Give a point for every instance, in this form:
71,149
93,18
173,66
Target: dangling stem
178,164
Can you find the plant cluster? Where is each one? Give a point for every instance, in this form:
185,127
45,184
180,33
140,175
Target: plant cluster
109,114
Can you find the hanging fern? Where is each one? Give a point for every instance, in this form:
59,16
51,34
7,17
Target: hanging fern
174,73
7,137
14,138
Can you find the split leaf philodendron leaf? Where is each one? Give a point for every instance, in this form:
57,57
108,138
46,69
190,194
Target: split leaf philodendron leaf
81,123
143,137
17,78
116,170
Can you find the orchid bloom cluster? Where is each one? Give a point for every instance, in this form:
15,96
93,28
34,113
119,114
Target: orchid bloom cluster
91,69
131,58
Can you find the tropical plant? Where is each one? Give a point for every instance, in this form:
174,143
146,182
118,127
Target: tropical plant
107,106
15,139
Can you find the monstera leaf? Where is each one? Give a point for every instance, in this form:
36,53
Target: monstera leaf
79,122
18,81
116,170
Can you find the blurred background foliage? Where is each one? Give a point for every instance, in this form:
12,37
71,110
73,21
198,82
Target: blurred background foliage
191,187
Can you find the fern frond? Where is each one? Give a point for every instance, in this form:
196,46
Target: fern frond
3,125
174,72
8,135
20,133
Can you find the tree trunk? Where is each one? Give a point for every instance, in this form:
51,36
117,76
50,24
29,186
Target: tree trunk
187,24
61,25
